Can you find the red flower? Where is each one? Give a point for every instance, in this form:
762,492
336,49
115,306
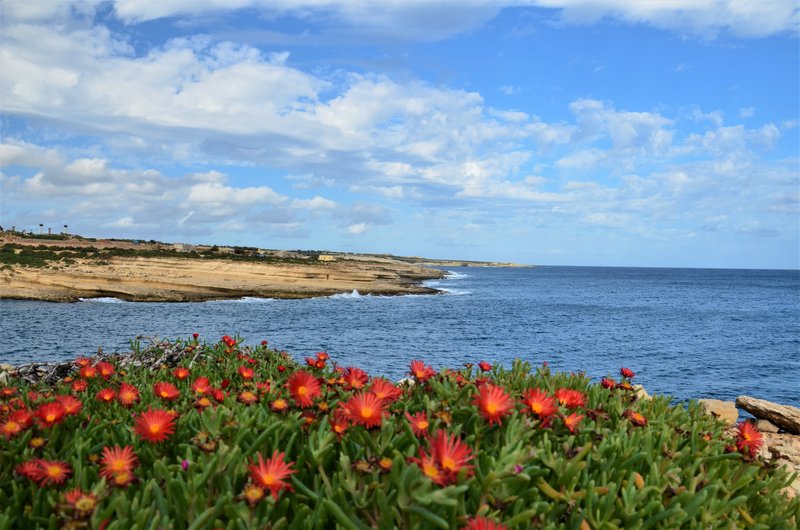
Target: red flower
166,391
419,423
385,390
420,371
71,405
180,373
303,387
340,421
627,373
117,460
246,373
448,457
571,398
7,392
538,402
106,369
29,469
482,523
263,386
493,403
88,372
80,502
365,408
83,361
484,366
10,428
127,395
155,425
608,383
50,414
106,395
52,472
635,418
271,474
279,405
201,385
572,421
79,385
355,378
748,439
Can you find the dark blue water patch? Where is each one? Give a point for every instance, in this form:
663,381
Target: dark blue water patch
688,333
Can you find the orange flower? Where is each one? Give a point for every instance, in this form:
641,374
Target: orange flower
303,387
279,405
201,385
252,494
83,361
448,457
419,423
538,402
50,414
155,425
627,373
106,369
72,405
246,373
748,439
88,372
608,383
10,428
180,373
7,392
365,408
117,460
107,395
271,474
493,403
635,418
340,421
79,385
128,394
82,503
572,421
29,469
421,372
248,397
355,378
385,390
427,463
484,366
52,472
167,391
570,398
482,523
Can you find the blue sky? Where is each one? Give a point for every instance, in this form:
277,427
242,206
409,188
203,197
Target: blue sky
560,132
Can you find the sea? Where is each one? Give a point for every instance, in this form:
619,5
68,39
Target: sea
686,333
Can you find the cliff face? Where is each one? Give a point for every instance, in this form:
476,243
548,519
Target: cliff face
185,279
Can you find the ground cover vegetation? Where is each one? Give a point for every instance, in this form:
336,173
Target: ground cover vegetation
222,435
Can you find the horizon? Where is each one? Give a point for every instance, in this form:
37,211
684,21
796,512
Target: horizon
547,133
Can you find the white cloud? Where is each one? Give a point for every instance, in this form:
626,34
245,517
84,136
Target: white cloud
358,228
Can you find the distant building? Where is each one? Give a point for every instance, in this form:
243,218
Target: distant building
326,257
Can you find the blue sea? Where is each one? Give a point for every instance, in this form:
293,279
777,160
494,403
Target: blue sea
687,333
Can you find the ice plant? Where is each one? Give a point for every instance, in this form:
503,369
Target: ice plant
420,371
419,423
385,390
201,386
355,378
248,397
447,458
79,385
482,523
246,372
88,372
80,502
493,403
608,383
127,395
279,405
339,421
303,387
748,439
166,391
117,460
52,472
50,414
635,418
28,469
10,428
71,404
270,474
155,425
572,422
484,366
106,395
180,373
539,403
105,369
365,408
627,373
570,398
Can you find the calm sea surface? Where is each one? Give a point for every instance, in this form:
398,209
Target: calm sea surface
688,333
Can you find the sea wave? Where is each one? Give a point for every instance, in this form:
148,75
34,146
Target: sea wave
353,294
453,275
104,300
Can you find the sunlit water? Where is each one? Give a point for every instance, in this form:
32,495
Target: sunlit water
686,333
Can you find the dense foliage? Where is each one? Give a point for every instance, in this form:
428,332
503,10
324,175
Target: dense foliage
227,436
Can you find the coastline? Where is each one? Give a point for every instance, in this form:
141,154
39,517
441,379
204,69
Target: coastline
156,279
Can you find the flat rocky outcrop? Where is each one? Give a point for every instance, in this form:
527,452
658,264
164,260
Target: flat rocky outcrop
725,411
784,417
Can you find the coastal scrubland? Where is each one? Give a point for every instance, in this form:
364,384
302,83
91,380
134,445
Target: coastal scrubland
196,434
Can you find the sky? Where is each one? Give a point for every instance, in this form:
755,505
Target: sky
658,133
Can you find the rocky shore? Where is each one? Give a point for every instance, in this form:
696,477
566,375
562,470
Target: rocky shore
156,279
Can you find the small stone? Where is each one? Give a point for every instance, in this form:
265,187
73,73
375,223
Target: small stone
766,426
640,392
725,411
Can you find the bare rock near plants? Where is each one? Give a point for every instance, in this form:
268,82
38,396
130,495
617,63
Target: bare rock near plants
724,411
766,426
783,416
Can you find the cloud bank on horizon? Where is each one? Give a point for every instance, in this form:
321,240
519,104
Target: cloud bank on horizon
613,132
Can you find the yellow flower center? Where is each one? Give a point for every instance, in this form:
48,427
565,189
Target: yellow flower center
536,407
430,470
423,424
50,417
53,471
268,479
367,412
85,504
302,391
155,428
491,407
449,463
